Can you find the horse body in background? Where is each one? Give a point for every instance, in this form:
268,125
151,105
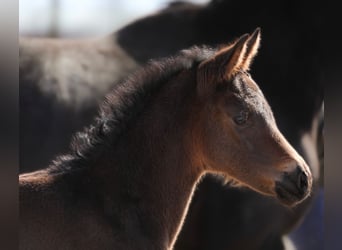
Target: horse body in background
61,84
292,86
127,181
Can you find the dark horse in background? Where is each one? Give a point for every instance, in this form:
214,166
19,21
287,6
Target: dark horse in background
293,88
61,84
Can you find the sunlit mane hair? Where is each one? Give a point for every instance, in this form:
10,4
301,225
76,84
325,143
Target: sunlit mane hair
123,104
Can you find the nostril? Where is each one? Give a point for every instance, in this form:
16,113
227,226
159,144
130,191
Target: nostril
302,182
294,186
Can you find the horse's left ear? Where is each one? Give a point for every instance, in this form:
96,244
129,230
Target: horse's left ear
228,61
222,65
239,56
253,44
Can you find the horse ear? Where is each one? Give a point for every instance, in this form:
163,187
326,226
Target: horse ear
253,44
223,65
231,57
228,60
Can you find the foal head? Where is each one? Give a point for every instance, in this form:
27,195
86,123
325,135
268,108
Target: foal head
236,131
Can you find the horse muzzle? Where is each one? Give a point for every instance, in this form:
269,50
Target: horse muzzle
294,186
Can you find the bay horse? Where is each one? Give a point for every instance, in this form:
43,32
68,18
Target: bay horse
129,177
292,86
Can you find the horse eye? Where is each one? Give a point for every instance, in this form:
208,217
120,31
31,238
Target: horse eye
241,118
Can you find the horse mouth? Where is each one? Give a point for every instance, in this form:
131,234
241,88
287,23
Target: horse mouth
288,195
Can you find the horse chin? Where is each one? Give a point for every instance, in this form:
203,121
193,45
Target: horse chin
229,181
234,183
288,198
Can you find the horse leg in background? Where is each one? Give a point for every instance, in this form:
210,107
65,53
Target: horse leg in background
320,146
308,228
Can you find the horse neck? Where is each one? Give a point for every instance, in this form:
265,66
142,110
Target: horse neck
151,173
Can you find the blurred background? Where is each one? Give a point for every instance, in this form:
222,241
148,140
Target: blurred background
76,18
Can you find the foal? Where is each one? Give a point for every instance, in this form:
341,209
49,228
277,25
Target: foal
129,178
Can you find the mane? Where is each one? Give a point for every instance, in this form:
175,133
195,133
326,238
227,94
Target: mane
123,105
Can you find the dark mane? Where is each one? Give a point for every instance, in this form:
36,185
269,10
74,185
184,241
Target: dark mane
122,105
